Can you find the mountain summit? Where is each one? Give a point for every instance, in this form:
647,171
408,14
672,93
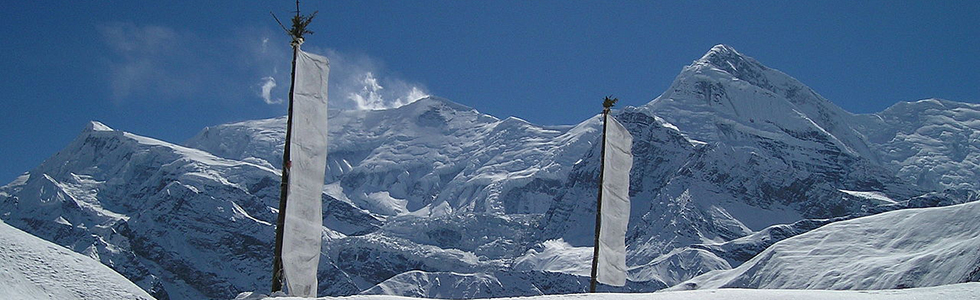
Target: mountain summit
728,87
726,58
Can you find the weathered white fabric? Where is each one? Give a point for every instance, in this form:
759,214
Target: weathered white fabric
615,204
308,155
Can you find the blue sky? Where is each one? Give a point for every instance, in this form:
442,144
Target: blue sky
166,69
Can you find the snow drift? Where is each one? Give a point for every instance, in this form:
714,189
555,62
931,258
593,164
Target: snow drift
899,249
32,268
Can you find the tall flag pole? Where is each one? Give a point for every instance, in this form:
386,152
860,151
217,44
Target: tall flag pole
609,250
299,225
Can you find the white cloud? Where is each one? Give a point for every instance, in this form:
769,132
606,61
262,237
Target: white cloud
142,60
368,97
372,94
358,81
132,40
157,63
267,83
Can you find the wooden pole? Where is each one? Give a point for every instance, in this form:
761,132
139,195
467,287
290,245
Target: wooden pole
296,33
283,187
607,103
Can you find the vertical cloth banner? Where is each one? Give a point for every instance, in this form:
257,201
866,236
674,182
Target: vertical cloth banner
617,162
308,160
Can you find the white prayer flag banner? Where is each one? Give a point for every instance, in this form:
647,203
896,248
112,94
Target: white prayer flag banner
615,216
308,159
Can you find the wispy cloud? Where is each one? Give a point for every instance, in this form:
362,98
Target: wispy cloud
142,60
157,62
153,63
357,81
267,84
374,96
362,82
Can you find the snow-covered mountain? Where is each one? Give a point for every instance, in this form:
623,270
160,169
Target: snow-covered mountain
432,157
177,221
437,199
732,148
184,223
32,268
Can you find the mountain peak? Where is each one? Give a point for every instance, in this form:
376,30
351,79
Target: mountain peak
720,50
726,58
726,84
97,126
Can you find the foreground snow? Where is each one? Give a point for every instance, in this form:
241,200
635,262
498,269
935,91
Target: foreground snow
32,268
898,249
947,292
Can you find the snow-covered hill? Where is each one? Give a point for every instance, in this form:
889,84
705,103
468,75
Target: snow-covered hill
894,250
433,196
32,268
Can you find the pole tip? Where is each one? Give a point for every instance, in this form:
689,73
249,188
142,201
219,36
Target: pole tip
608,102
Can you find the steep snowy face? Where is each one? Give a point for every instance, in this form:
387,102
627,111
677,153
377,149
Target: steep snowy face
172,219
657,225
933,143
899,249
659,151
781,142
258,141
728,89
431,157
32,268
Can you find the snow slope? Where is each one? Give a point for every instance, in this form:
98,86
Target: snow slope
899,249
32,268
963,291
